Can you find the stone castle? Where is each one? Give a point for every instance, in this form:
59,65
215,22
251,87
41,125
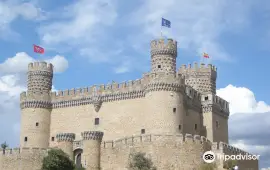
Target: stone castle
173,115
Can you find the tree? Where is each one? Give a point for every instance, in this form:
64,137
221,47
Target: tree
229,164
57,160
140,162
4,146
208,166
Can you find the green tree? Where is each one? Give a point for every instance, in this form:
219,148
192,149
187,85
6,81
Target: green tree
229,164
140,162
79,169
4,146
57,160
208,166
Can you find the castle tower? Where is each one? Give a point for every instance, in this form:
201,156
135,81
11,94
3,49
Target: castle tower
36,106
65,142
163,56
91,149
164,92
202,78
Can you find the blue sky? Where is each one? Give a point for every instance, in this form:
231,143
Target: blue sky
100,41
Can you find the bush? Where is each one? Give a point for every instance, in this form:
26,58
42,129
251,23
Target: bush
140,162
57,160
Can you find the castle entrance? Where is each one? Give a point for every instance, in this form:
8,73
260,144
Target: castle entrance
78,158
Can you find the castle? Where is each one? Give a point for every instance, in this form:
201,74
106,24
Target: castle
173,115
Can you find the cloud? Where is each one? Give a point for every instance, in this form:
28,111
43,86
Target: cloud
248,123
19,63
242,100
80,24
196,25
14,9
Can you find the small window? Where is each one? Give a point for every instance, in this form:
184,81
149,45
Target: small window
159,66
52,138
37,123
25,139
206,98
196,127
96,121
217,124
142,131
174,110
179,127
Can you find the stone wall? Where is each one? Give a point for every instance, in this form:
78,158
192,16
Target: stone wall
168,152
22,159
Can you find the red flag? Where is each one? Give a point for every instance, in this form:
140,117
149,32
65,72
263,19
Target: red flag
205,55
38,49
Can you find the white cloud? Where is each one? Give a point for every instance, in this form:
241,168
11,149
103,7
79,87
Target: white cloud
19,63
196,25
60,63
242,100
80,24
248,122
12,10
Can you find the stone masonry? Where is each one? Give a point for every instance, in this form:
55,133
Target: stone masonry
172,115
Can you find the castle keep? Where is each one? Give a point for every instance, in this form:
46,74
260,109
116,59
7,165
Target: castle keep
173,115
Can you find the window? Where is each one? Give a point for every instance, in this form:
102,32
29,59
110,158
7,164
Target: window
25,139
196,127
142,131
37,123
206,98
174,110
52,138
96,121
217,124
159,66
179,127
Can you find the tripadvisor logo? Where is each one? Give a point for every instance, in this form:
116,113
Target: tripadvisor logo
210,157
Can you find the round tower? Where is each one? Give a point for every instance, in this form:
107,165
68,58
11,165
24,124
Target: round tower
65,142
91,149
163,56
164,91
36,106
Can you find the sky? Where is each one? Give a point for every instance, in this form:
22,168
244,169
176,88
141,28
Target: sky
100,41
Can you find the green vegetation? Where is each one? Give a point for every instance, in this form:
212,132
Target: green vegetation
4,146
140,162
208,166
57,160
229,164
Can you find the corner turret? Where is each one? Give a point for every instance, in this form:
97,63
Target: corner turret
200,77
36,106
91,149
163,56
65,142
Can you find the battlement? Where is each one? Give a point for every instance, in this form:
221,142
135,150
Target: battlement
214,100
228,149
18,151
40,66
153,138
160,47
131,85
92,135
198,67
69,137
193,94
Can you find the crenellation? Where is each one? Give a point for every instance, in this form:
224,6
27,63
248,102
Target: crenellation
40,66
153,138
202,67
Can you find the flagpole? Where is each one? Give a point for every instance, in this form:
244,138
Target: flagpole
161,29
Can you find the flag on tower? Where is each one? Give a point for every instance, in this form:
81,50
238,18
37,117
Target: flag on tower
38,49
205,55
166,23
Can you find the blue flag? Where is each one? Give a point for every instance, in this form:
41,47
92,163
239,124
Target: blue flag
166,23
